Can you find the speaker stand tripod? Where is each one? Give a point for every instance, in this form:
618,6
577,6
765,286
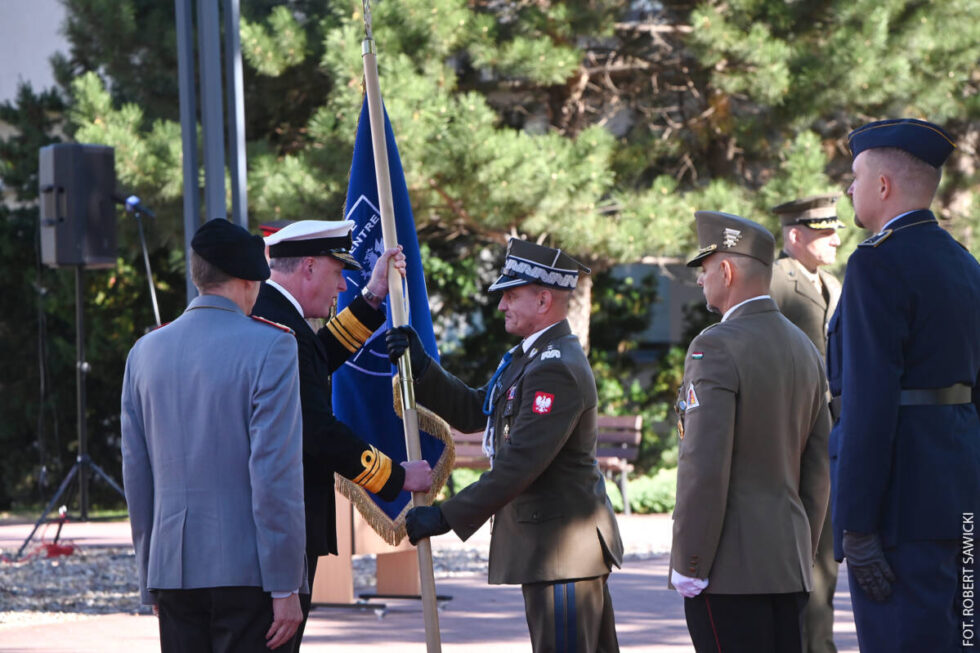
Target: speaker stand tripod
83,464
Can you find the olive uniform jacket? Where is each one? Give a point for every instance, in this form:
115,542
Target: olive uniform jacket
553,520
800,301
329,445
752,473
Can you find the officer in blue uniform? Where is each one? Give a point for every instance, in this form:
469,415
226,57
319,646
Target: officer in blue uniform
903,362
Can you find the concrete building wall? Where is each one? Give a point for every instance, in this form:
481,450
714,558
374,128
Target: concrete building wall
29,35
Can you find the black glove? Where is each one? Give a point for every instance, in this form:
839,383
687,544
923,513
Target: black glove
867,562
425,521
404,337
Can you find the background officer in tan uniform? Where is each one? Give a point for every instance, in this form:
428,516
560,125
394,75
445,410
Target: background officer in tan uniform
554,530
804,293
808,296
752,479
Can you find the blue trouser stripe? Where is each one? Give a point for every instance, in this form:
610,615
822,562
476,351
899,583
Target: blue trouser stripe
559,617
565,617
571,618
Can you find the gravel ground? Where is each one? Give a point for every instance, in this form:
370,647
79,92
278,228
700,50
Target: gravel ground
102,580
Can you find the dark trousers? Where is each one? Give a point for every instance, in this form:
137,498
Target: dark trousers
746,623
923,611
571,617
214,620
305,600
818,619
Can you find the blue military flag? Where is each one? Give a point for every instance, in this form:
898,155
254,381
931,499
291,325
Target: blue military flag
362,387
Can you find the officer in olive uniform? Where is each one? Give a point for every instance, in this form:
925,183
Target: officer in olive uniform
554,531
308,258
904,357
807,296
804,293
752,479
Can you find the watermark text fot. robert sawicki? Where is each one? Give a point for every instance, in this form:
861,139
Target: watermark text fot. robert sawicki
967,591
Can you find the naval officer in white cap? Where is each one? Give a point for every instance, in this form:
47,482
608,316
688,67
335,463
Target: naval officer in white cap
307,259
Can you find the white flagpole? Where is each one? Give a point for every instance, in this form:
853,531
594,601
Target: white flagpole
399,317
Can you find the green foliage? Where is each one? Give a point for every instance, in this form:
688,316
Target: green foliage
460,477
654,493
274,48
599,127
744,58
621,309
615,496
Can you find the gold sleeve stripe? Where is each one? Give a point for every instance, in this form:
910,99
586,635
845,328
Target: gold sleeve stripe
352,326
345,340
377,470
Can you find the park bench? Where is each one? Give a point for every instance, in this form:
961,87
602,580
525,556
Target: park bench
617,446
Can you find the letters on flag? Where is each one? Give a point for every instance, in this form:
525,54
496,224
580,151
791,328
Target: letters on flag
362,387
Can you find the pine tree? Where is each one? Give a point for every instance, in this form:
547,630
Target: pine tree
596,126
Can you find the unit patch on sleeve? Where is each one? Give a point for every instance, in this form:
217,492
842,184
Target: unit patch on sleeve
543,402
692,397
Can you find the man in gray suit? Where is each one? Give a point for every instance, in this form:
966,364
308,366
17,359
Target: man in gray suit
808,296
752,479
212,460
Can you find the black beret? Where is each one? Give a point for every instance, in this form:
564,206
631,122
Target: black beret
921,139
231,249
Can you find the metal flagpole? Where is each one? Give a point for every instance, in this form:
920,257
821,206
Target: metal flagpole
399,317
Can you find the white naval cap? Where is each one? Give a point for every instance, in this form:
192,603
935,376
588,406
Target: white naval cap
314,238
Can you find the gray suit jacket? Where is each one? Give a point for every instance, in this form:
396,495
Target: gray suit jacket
212,453
752,471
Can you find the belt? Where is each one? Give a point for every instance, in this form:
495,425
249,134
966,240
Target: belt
959,393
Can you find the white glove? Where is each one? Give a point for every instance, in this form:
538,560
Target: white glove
685,586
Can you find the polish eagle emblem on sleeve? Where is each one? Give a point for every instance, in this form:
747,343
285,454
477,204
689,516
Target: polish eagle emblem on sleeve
543,402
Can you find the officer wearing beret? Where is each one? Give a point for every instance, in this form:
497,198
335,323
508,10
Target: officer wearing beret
308,258
752,479
554,531
807,296
211,444
904,358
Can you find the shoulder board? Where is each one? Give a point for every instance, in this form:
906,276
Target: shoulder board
160,327
877,239
281,327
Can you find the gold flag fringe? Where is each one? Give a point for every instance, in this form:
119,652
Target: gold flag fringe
392,531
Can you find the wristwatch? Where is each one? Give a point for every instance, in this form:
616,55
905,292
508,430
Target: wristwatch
370,296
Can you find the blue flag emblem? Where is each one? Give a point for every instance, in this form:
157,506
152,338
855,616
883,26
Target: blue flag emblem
362,387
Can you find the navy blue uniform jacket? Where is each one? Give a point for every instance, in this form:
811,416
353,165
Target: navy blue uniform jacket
908,318
329,445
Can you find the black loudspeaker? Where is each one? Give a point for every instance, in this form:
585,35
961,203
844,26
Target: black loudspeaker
78,224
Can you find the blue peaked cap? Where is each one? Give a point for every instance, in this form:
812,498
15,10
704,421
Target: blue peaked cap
921,139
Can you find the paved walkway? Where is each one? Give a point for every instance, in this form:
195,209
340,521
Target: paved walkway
480,618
